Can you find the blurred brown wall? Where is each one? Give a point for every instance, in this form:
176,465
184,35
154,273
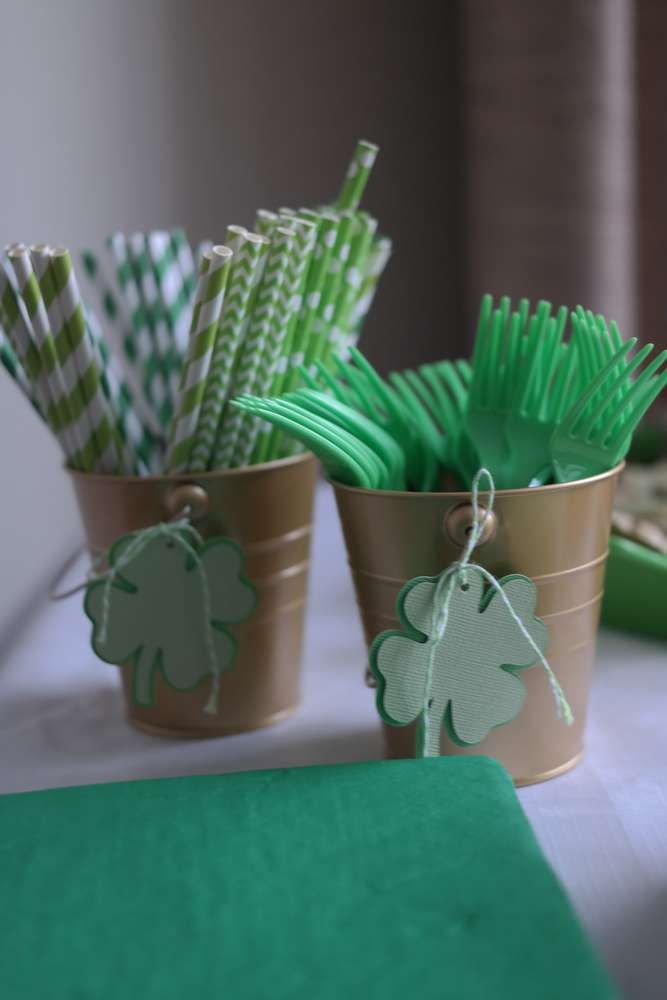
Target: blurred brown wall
651,47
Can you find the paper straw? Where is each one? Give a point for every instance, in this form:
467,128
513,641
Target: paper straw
39,296
279,341
357,175
131,434
236,441
313,300
205,318
186,260
319,336
153,381
14,369
203,247
366,227
162,340
377,261
90,410
175,288
247,261
18,331
119,327
265,222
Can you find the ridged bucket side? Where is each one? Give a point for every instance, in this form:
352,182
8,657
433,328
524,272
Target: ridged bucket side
267,509
556,535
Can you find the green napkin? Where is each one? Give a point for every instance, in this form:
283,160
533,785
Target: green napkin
412,879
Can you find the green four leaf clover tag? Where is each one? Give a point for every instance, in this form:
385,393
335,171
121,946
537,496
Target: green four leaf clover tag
164,606
453,662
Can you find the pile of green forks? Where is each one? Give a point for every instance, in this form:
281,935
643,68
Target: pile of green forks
531,406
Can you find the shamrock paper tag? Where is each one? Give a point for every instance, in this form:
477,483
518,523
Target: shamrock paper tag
164,605
453,663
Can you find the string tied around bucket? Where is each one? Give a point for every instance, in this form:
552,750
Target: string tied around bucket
180,532
458,571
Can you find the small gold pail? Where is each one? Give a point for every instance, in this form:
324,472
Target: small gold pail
267,509
557,535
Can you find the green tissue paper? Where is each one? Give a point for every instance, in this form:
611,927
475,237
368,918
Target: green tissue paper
415,879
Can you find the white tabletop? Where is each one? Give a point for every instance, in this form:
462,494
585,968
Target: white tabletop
603,826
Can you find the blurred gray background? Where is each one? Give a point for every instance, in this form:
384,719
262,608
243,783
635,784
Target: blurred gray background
513,159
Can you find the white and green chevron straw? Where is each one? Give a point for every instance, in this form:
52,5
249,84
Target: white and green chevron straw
235,429
280,339
214,391
266,222
246,265
100,451
209,297
358,172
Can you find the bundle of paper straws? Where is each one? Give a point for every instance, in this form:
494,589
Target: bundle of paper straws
152,394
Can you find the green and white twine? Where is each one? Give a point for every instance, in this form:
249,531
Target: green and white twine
440,617
185,535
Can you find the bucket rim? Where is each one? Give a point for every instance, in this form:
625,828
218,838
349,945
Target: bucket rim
189,477
466,494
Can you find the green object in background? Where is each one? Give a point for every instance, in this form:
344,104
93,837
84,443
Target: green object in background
635,588
378,881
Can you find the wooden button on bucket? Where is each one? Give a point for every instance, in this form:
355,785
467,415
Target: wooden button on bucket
459,522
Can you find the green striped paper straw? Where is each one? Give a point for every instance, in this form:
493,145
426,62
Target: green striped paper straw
142,267
248,260
18,332
366,227
209,296
279,341
14,369
377,261
100,451
39,306
357,175
154,385
119,328
234,429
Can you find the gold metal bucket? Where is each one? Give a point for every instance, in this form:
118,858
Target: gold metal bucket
557,535
267,509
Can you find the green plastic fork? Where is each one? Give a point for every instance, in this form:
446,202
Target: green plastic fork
357,424
595,433
382,404
345,464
